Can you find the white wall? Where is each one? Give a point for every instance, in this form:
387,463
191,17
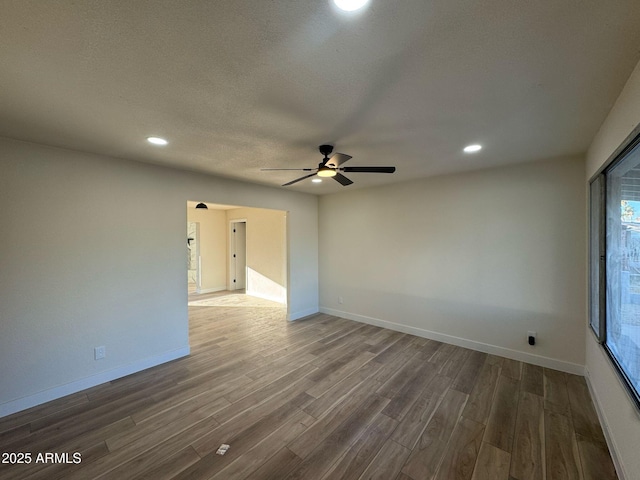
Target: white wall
266,251
212,247
475,259
618,414
92,252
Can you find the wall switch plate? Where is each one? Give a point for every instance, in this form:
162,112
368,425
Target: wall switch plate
100,352
340,300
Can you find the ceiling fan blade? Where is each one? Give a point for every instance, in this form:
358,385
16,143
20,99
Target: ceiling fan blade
337,159
369,169
342,179
299,179
299,169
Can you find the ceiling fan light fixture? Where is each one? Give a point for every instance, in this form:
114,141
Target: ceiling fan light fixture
326,172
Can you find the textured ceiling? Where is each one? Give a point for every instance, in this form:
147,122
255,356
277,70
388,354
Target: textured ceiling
237,85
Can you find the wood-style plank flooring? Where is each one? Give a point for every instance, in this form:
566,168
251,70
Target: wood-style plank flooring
322,398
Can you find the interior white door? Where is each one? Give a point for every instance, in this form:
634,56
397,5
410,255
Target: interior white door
239,255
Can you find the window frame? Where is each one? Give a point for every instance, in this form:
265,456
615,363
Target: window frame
598,314
597,256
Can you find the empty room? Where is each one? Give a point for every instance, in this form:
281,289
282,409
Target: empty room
319,239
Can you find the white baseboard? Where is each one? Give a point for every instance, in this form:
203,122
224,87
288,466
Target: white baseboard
23,403
613,448
266,297
301,314
211,290
463,342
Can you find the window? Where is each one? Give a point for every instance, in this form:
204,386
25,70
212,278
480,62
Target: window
614,258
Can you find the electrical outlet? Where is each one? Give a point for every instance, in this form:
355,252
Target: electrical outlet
531,338
340,300
100,352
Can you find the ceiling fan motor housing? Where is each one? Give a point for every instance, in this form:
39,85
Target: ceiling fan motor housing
326,150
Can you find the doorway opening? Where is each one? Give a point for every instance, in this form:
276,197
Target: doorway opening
193,257
237,257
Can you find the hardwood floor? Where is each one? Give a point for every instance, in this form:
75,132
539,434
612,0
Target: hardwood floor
323,398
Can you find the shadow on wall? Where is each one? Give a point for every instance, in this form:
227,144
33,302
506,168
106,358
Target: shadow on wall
261,286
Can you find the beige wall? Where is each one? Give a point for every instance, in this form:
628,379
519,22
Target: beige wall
266,251
213,247
92,253
476,259
619,416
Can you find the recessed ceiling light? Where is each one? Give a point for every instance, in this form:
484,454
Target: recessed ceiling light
157,140
317,180
350,5
472,148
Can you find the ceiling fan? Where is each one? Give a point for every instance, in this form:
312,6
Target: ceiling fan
331,167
